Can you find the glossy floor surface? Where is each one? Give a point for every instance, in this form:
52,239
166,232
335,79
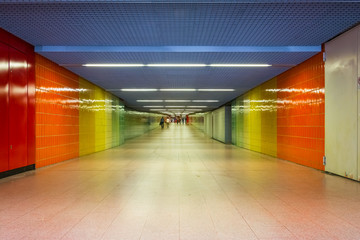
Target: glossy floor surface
177,184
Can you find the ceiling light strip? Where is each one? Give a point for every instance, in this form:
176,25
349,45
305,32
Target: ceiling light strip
176,65
177,89
113,65
139,89
240,65
143,100
216,90
124,65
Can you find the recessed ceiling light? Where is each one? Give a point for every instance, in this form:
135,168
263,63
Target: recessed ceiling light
176,65
141,100
139,89
216,90
178,89
205,100
240,65
113,65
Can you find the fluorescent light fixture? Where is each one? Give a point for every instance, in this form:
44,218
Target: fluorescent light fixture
176,109
158,110
216,90
178,89
149,100
175,106
139,89
113,65
176,65
153,107
197,106
240,65
205,100
177,100
193,110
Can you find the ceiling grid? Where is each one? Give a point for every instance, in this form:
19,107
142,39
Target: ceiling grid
172,26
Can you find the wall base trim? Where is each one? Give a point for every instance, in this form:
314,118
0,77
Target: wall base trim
17,171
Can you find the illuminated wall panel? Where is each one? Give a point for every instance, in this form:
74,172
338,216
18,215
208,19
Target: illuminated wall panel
284,117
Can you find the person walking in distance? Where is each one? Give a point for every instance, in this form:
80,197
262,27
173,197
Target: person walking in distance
162,122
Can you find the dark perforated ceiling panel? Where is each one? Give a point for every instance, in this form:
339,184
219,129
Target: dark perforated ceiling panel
140,24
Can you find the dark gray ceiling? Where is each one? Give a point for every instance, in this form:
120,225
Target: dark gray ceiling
280,33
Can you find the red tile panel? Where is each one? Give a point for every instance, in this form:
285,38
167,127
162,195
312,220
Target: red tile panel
17,99
57,113
300,114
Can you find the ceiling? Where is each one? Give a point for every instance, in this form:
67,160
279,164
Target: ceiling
276,32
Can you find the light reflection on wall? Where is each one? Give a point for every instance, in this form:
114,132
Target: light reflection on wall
284,117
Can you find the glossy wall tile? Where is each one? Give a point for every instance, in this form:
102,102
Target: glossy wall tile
284,117
57,113
76,117
100,117
17,105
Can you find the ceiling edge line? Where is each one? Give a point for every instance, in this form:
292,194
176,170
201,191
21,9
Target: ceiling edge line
174,49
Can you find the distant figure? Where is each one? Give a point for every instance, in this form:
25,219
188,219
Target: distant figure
162,122
167,122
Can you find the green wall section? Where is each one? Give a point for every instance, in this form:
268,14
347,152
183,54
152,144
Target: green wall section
138,123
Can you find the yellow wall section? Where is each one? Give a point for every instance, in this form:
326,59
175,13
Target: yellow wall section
254,119
100,114
86,118
269,118
100,119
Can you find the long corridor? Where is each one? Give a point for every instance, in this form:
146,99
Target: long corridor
178,184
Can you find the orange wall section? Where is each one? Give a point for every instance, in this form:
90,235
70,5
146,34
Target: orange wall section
301,113
57,113
291,118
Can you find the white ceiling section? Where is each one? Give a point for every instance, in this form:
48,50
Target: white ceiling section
278,33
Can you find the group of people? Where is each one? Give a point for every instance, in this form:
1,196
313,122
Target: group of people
168,120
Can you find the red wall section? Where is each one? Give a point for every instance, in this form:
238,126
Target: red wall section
18,109
300,113
17,132
57,113
4,107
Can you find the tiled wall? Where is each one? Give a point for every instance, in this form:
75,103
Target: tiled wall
138,123
75,117
100,116
284,117
17,105
57,113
